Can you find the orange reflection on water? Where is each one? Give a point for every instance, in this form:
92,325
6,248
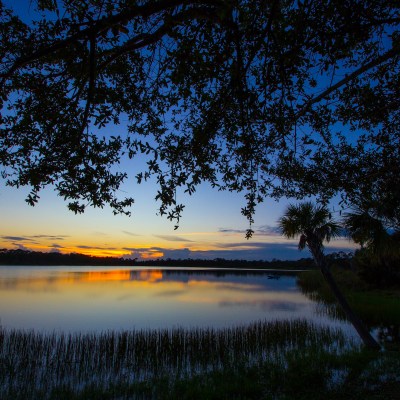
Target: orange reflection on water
104,276
42,281
150,276
117,275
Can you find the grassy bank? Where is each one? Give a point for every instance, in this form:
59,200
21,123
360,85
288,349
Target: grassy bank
279,360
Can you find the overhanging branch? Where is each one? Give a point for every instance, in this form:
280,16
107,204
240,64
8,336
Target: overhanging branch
366,67
144,40
102,25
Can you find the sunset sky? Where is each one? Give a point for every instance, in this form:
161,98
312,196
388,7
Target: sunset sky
212,226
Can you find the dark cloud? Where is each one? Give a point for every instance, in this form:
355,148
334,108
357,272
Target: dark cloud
17,238
261,251
264,230
56,246
228,230
33,238
172,238
176,254
96,248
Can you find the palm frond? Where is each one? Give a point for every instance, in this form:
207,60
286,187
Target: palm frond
328,231
308,220
369,231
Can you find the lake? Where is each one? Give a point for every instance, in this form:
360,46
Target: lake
93,299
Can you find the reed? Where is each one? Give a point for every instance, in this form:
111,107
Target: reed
35,365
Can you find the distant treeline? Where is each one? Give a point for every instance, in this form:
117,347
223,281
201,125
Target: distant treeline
304,263
25,257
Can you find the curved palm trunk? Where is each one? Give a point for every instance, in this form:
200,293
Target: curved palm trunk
361,329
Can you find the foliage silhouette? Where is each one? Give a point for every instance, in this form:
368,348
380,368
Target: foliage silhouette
379,257
314,225
270,99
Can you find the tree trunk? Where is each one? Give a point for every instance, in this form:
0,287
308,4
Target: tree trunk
361,329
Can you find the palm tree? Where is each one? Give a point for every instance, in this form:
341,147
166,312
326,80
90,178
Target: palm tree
371,233
379,238
314,224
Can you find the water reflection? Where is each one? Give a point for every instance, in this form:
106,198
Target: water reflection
381,316
88,299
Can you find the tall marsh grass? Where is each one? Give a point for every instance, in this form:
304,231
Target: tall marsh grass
34,363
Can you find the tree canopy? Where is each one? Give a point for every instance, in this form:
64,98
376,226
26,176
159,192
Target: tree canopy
272,98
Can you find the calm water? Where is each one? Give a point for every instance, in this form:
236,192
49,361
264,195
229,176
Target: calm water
104,298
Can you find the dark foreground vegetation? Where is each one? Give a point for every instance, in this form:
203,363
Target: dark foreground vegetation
378,306
24,257
265,360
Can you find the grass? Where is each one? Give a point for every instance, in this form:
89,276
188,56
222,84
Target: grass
54,366
265,360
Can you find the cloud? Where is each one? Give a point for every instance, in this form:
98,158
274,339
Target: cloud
172,238
268,230
157,253
33,238
21,247
228,230
176,254
56,246
263,230
258,251
143,253
17,238
95,248
54,237
130,233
